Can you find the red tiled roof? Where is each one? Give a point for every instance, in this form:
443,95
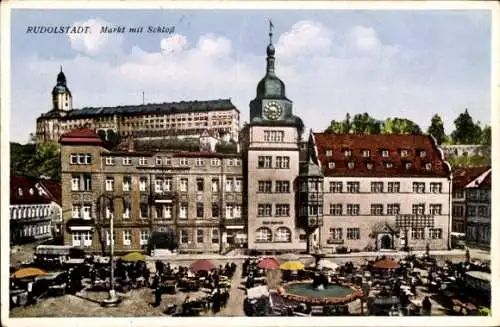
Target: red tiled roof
83,135
414,144
486,184
54,188
464,175
23,190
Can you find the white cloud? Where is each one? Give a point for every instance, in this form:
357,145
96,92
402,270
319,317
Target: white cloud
96,43
323,77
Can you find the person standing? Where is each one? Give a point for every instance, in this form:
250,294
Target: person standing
157,295
427,306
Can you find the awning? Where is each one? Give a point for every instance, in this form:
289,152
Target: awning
80,228
163,201
235,227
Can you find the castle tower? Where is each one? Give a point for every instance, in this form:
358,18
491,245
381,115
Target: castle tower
61,96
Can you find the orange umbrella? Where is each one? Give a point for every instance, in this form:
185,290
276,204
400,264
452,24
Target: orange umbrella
28,272
386,264
202,265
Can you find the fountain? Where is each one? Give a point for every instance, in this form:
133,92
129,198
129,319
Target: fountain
319,291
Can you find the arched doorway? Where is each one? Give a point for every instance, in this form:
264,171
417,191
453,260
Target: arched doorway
385,242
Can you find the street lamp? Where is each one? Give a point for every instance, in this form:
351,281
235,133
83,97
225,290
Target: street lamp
113,300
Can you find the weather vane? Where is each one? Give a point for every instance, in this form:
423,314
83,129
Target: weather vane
271,26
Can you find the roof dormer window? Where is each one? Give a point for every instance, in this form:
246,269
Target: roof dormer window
369,165
385,153
366,153
422,154
347,152
328,153
31,191
404,153
331,165
428,166
20,191
350,164
407,165
388,164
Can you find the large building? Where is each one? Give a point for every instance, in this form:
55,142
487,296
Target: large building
279,194
185,118
478,214
194,195
35,209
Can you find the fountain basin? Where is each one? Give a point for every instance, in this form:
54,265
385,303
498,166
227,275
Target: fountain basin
332,294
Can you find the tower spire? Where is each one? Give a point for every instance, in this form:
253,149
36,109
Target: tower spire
270,51
271,26
60,66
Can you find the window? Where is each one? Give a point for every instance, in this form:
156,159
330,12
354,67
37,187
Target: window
331,165
282,187
168,161
215,236
282,162
74,158
126,210
417,233
328,153
353,234
377,209
81,158
87,211
282,210
109,212
264,162
237,211
352,187
404,153
199,210
199,162
238,184
353,209
144,237
422,154
393,187
435,233
108,238
388,164
81,238
283,234
482,211
336,187
183,211
110,183
184,185
459,194
215,210
199,236
264,210
110,161
377,187
214,162
144,210
265,186
418,209
365,153
435,209
347,153
229,185
87,182
351,164
369,165
199,184
215,185
143,161
158,161
408,165
428,166
335,233
127,181
127,237
436,187
229,211
393,209
471,210
458,211
75,183
314,210
183,162
385,153
230,162
76,211
127,161
336,209
418,187
142,184
184,236
263,234
274,136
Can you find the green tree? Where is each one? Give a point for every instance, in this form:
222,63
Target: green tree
466,131
43,160
400,126
340,127
365,124
436,129
486,136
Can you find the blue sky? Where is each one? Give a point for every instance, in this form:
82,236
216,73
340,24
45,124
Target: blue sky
397,63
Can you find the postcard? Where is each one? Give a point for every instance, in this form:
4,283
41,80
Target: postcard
271,163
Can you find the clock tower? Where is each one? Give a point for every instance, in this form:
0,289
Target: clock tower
271,150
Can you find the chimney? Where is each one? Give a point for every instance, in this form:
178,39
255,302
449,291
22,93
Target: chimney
130,144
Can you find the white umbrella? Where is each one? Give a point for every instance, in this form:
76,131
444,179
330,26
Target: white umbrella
289,257
327,264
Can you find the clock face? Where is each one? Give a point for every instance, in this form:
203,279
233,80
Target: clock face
273,110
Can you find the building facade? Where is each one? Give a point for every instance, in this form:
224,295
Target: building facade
35,209
197,196
478,204
185,118
461,178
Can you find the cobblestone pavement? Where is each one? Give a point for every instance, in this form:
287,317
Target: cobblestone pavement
234,307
